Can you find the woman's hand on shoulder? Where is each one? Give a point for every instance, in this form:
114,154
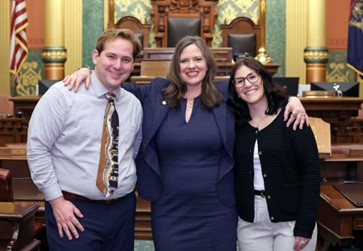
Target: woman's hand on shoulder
298,114
74,80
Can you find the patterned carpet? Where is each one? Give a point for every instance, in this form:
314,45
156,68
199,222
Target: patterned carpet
147,246
144,246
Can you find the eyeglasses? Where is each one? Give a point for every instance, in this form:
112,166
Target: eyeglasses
253,77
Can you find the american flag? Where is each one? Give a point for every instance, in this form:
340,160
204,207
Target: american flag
18,40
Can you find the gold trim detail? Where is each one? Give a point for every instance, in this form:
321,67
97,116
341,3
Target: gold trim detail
322,55
54,54
262,56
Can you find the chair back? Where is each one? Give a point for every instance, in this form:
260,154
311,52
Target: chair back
6,106
242,45
243,35
6,187
179,27
142,31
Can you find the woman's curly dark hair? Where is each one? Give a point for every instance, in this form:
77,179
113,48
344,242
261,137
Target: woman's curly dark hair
274,92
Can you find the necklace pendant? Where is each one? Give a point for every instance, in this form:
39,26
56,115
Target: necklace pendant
190,103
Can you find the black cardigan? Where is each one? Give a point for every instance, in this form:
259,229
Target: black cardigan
291,173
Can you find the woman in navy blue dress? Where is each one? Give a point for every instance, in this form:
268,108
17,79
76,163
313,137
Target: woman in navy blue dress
185,161
185,164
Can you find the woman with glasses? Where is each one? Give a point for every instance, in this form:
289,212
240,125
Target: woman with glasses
277,177
185,164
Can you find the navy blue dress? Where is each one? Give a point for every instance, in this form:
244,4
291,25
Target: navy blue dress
189,215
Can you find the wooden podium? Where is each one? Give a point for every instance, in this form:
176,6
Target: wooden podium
17,226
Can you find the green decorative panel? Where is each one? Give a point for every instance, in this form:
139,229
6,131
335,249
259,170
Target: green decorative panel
92,27
275,24
31,72
336,68
230,9
139,9
276,32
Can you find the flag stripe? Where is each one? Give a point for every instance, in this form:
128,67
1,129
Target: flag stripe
18,38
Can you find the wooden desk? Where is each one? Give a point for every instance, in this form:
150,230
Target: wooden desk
224,68
223,57
339,168
25,104
141,80
17,226
337,111
342,107
145,80
159,52
340,222
220,53
13,130
14,159
154,67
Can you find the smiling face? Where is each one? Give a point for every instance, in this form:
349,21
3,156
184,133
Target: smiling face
251,93
115,63
193,66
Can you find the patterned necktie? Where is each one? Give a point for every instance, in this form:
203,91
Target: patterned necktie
107,177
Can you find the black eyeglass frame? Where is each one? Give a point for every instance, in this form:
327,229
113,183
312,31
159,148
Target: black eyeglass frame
258,77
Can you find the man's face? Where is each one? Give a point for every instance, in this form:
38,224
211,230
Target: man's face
115,63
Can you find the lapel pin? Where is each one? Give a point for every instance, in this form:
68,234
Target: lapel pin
164,102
